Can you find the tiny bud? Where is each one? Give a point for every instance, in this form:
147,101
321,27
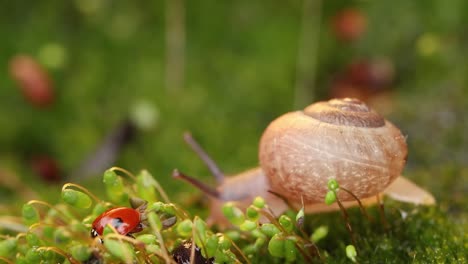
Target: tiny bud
259,202
252,213
184,228
333,185
156,207
300,218
319,233
269,229
224,242
351,253
233,214
286,223
248,225
30,214
330,197
76,198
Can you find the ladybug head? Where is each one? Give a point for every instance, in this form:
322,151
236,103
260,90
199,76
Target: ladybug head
94,234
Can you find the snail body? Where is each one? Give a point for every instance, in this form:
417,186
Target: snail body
300,151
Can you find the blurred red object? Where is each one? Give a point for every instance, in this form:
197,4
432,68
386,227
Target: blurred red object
349,24
364,79
376,73
33,80
46,168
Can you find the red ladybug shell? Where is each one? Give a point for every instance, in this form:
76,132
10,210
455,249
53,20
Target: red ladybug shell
125,220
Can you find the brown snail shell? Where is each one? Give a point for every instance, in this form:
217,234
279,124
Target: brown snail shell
342,139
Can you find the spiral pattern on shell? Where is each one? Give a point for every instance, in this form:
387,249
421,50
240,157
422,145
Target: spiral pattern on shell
342,139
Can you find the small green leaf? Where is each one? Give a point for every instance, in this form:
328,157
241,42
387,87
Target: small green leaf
8,247
286,223
259,242
276,246
290,250
33,256
248,225
233,214
211,246
99,208
120,249
33,240
61,235
154,221
153,248
145,186
80,252
156,207
114,187
200,232
224,242
148,239
110,178
78,227
234,235
269,229
48,231
184,228
330,197
30,214
351,252
319,233
76,198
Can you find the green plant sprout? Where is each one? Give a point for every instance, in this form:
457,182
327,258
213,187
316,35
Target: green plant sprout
60,233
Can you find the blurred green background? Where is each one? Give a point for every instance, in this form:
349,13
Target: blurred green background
224,70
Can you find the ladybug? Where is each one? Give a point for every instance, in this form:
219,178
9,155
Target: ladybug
124,219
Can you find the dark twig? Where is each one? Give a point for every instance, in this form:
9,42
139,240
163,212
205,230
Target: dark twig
198,184
209,162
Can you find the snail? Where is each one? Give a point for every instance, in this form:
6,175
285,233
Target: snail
300,151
